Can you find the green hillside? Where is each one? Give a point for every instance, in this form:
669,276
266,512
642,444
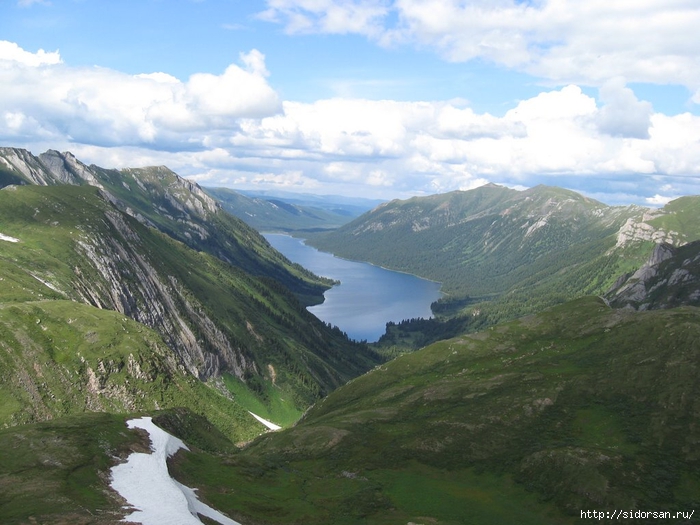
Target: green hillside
581,407
501,253
159,198
246,334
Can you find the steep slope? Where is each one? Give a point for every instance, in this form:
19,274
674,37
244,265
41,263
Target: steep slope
577,408
670,278
158,197
74,244
488,240
62,358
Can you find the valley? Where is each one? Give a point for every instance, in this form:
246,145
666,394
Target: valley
560,372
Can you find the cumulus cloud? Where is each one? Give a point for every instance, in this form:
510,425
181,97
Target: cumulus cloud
659,200
232,129
107,107
567,41
11,55
622,114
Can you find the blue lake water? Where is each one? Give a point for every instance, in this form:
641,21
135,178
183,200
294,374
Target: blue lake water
367,297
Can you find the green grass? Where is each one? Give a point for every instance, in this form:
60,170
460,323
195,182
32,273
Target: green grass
579,407
62,358
463,497
244,323
272,404
56,472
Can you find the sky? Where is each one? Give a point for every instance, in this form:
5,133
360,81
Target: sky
368,98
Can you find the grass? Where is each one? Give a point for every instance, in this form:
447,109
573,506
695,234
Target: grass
274,404
239,322
56,472
579,407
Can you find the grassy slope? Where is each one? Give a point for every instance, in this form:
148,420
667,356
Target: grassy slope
57,472
62,358
580,407
502,254
259,316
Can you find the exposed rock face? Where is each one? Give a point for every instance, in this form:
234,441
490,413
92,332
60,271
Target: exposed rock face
25,163
670,278
128,283
639,230
67,169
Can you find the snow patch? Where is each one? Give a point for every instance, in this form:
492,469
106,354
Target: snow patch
145,483
265,422
46,283
8,238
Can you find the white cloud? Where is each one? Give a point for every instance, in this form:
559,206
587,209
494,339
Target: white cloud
567,41
107,107
429,146
659,200
232,129
622,114
11,54
327,16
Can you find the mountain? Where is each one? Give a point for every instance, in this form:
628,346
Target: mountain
519,251
159,198
579,407
289,212
70,252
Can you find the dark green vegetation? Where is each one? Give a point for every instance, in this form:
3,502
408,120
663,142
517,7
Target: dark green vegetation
502,253
56,472
90,268
579,407
290,213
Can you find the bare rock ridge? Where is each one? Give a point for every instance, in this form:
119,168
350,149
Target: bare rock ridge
670,278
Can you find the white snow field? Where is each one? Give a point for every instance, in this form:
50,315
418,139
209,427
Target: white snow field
144,482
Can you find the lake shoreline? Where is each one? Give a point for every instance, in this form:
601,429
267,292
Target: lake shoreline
368,297
304,239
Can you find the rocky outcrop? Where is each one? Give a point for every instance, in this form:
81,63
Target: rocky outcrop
670,278
27,165
67,169
638,229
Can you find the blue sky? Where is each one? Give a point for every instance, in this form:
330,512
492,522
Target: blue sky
376,98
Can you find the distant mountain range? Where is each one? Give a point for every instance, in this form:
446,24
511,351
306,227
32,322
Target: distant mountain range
269,211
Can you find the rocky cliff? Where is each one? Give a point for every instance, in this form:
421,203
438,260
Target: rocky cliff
670,278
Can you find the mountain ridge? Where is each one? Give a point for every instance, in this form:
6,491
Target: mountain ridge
246,335
158,197
498,243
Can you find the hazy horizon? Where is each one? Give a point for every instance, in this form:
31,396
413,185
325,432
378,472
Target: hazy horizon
380,99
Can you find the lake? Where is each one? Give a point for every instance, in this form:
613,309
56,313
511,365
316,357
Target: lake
367,297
